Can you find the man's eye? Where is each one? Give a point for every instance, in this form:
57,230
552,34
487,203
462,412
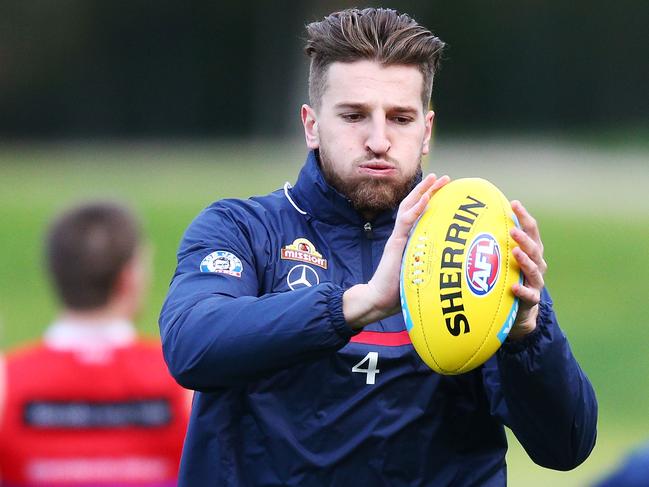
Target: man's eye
352,117
402,120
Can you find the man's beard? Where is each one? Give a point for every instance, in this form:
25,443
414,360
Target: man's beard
370,195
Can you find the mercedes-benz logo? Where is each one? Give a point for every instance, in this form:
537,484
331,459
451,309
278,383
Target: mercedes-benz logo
302,276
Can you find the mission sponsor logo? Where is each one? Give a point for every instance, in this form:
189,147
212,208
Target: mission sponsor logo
483,264
303,251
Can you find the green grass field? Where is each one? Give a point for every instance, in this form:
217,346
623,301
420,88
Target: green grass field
592,207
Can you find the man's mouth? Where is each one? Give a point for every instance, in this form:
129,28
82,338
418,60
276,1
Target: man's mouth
378,168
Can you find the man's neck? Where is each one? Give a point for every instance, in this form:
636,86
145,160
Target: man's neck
369,216
94,316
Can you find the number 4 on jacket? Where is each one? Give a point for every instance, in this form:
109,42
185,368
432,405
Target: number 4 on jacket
372,359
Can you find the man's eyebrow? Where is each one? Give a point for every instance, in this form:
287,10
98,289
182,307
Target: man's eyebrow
345,105
403,109
349,105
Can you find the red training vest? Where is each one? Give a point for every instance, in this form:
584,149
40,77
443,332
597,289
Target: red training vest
72,422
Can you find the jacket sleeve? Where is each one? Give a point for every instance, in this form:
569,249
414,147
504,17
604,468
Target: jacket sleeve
537,389
217,331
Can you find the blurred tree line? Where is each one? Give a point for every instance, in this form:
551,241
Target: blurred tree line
78,68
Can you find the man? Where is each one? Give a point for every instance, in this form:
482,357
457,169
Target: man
304,369
92,404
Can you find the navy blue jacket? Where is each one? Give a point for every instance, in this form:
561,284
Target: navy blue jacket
634,472
288,394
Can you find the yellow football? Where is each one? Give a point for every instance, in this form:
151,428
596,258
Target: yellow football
456,277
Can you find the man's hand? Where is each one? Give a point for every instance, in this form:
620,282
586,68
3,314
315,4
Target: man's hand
529,255
379,298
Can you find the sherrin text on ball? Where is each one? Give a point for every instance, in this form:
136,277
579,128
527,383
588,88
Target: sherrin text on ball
457,274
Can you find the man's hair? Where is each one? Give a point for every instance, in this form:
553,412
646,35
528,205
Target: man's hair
377,34
86,249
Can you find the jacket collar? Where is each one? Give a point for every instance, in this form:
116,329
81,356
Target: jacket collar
320,201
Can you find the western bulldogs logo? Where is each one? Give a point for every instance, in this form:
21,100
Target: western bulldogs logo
483,264
222,262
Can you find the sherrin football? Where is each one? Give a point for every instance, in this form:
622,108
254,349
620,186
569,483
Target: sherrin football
456,277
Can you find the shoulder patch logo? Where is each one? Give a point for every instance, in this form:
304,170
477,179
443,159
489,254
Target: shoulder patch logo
222,262
303,251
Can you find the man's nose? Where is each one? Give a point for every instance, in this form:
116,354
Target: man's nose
378,141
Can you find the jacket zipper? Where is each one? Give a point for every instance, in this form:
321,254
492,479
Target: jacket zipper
366,251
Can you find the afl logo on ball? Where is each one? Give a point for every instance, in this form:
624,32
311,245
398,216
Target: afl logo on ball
483,264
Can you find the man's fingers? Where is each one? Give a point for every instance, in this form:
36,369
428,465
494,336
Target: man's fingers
428,194
530,247
441,182
436,186
415,203
527,222
527,295
531,271
418,208
430,184
528,237
417,192
529,292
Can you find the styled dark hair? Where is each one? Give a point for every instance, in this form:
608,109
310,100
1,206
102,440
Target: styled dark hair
86,249
378,34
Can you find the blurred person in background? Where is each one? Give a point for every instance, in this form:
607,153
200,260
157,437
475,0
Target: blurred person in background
91,403
284,309
634,471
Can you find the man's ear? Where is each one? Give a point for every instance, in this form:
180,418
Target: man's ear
310,124
430,116
132,283
125,280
